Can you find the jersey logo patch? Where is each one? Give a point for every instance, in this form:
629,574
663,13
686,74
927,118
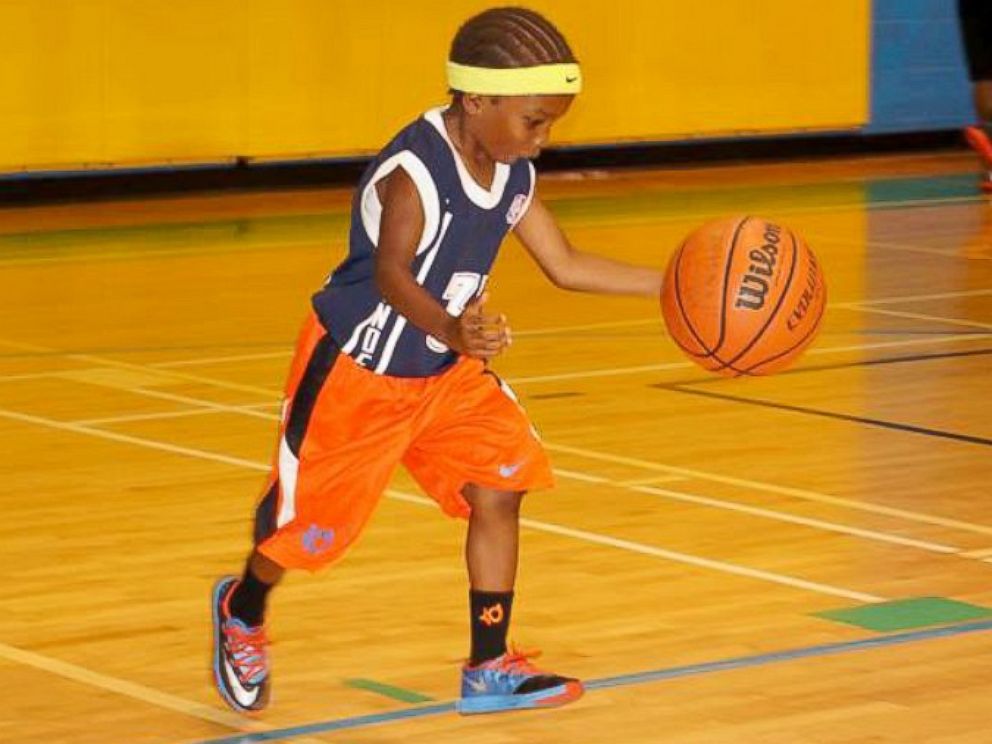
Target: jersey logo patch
516,209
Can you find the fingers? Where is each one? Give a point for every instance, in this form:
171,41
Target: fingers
484,337
474,307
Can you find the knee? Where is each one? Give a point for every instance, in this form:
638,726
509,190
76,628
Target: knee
493,505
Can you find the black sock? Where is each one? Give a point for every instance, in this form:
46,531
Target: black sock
247,601
490,622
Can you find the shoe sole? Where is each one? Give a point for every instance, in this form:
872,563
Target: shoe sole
550,698
220,589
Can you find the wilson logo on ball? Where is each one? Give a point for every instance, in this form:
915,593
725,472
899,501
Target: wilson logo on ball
754,285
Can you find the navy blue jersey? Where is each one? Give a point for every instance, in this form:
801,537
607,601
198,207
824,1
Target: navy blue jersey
464,225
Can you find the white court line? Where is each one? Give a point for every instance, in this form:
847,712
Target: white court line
916,298
981,553
690,498
211,407
285,354
607,372
516,334
756,511
585,327
697,217
202,410
592,373
615,371
131,253
532,332
129,689
651,479
896,344
686,472
885,245
920,316
692,560
168,374
411,498
798,493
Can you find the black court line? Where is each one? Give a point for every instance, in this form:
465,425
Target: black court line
714,379
830,414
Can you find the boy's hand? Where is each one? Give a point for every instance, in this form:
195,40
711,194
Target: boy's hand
478,335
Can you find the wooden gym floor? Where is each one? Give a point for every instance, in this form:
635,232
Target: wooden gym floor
699,524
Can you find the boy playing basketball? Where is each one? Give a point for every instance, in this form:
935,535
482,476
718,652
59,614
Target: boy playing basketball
391,366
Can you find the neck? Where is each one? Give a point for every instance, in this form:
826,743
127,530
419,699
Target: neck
476,159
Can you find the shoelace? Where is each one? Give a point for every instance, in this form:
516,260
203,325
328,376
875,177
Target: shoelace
247,647
517,661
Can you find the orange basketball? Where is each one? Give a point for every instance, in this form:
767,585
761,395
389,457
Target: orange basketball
743,296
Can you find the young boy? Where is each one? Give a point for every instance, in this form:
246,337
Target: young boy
391,366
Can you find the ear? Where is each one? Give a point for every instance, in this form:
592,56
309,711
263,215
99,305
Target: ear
472,103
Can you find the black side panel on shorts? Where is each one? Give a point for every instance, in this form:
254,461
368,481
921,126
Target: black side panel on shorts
318,368
265,515
300,409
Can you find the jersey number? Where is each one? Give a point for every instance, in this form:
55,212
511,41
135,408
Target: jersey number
464,285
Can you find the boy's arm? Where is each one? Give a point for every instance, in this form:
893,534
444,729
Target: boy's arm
400,228
569,268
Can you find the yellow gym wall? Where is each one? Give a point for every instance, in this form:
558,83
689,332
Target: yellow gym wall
100,83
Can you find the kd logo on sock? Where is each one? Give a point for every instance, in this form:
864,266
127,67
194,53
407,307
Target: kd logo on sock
492,615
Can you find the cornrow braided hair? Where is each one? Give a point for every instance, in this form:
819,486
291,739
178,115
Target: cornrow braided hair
509,37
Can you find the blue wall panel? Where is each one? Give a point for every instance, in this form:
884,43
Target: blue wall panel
919,81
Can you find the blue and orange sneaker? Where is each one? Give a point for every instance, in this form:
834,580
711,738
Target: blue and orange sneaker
511,682
241,661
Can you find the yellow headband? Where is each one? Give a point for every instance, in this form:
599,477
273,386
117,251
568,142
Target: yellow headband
558,79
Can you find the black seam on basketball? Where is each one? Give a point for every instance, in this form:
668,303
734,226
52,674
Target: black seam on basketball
727,365
813,329
685,317
726,281
778,305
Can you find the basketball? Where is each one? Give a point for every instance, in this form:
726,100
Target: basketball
743,296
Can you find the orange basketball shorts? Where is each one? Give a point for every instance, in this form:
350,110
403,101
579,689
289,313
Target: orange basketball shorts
344,430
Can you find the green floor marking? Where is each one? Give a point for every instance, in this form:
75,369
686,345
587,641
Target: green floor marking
906,614
894,190
396,693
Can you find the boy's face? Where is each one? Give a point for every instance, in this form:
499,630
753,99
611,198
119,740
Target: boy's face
512,127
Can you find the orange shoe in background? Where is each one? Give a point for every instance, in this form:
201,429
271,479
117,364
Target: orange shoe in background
979,141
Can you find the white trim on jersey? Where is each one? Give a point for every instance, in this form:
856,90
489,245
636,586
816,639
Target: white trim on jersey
480,196
400,324
371,207
530,196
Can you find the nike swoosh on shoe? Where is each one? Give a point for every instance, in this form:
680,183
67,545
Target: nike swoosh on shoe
242,694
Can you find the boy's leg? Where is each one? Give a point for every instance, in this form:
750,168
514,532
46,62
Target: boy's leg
496,679
475,452
332,463
491,556
247,600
